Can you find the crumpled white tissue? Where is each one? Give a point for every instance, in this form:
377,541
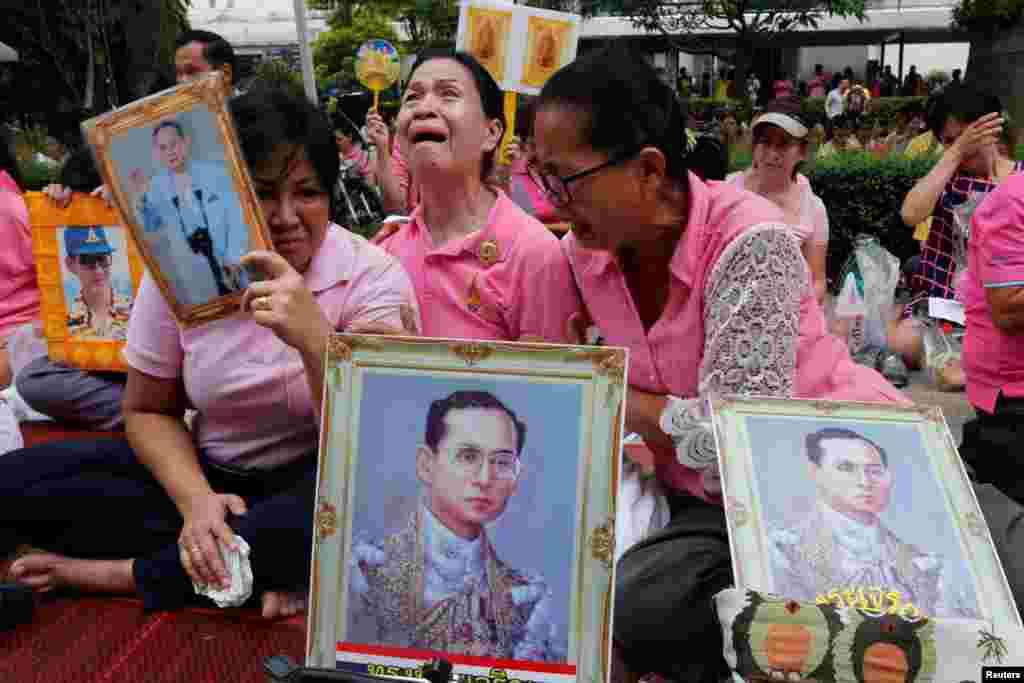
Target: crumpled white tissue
240,573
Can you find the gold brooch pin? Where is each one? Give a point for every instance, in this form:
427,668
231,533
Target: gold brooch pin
488,253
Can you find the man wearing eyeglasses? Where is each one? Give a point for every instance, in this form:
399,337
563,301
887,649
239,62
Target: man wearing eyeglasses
438,584
844,546
97,312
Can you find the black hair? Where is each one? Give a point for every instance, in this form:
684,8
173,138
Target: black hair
79,172
216,50
492,101
8,159
815,452
169,124
709,159
345,125
267,117
464,400
963,102
625,105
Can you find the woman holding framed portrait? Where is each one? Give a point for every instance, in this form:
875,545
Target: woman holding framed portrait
172,502
707,287
482,268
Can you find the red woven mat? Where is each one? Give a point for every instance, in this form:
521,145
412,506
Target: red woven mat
99,639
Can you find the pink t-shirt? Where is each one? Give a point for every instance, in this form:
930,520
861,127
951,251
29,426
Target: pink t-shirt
813,224
741,316
530,197
993,360
506,281
19,293
249,387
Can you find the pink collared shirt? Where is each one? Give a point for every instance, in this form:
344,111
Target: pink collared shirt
19,293
741,317
249,387
504,282
993,360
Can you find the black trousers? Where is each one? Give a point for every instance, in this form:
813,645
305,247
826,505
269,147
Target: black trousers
95,500
993,446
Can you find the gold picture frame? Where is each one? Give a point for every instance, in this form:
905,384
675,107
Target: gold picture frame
805,480
379,394
547,49
489,31
173,165
75,336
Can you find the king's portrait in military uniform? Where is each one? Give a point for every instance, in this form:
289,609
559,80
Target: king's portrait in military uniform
844,545
97,311
439,583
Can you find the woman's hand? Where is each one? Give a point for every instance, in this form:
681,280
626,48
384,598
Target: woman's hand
513,150
204,525
378,133
59,194
284,304
981,134
576,328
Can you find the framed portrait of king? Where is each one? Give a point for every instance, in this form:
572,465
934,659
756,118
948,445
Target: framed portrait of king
175,171
88,269
465,508
859,505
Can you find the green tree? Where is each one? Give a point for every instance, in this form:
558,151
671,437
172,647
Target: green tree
278,73
754,23
334,50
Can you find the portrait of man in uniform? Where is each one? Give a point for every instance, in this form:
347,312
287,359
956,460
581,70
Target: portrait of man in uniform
96,310
843,543
191,217
439,583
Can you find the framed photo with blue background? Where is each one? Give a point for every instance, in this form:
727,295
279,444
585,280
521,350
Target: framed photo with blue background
858,505
175,171
466,505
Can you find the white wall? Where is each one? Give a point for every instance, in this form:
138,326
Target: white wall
833,58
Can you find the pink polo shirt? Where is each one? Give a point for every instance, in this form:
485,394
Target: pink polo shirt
741,316
19,293
506,281
249,387
993,360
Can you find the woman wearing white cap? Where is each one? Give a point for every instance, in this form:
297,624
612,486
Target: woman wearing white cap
780,138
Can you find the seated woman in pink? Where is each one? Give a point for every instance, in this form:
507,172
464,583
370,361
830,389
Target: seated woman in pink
145,516
780,147
19,294
993,353
481,267
706,286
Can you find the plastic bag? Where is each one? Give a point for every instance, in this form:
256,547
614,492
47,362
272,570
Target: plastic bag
863,309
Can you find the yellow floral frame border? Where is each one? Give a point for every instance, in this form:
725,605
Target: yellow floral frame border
46,220
209,91
603,372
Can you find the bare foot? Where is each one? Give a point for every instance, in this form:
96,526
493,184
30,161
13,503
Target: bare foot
281,605
45,572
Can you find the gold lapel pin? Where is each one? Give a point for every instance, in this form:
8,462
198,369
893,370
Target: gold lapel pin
488,253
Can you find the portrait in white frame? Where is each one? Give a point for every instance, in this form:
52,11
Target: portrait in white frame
465,508
858,505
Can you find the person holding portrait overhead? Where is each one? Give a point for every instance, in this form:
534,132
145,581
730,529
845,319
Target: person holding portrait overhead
482,268
439,584
843,545
706,285
192,219
97,312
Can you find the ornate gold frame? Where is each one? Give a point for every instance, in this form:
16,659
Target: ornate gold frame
739,459
209,91
46,219
603,374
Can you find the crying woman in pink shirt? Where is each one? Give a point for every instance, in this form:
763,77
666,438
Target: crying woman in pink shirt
481,267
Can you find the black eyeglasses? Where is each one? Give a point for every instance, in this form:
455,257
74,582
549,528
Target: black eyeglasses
557,187
93,261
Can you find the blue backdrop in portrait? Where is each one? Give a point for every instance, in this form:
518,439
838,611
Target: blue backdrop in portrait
918,511
537,530
177,207
120,273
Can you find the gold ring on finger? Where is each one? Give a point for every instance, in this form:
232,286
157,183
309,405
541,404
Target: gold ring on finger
196,549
